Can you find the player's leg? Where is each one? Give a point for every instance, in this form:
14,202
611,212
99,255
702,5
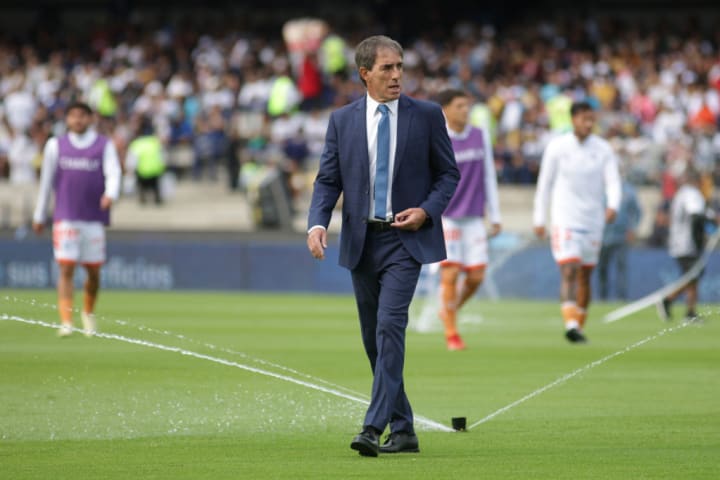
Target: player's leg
569,272
91,288
65,296
665,307
66,249
691,297
590,243
142,187
155,186
475,257
691,291
449,273
93,256
584,294
567,253
474,277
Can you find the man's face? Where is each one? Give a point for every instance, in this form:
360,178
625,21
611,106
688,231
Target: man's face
583,123
457,111
383,79
78,120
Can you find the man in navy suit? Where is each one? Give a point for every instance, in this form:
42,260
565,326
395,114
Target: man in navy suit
391,157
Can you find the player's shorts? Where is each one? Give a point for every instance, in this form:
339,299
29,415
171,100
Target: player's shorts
465,242
575,245
79,242
687,262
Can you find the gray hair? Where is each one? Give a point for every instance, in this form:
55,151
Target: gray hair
366,51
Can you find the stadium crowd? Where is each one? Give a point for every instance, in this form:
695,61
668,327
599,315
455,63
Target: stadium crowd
237,99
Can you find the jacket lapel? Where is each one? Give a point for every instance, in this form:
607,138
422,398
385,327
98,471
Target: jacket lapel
405,113
359,126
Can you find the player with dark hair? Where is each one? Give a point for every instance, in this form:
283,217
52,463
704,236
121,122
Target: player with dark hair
82,167
578,174
466,238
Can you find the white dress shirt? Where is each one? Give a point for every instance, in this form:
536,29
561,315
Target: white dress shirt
373,116
111,169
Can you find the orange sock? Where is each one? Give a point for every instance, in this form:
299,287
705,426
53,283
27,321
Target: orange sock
570,315
65,308
582,315
89,303
448,310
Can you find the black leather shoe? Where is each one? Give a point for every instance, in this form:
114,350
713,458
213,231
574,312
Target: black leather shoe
401,442
366,443
575,336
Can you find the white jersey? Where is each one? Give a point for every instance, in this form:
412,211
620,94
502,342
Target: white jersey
579,177
688,201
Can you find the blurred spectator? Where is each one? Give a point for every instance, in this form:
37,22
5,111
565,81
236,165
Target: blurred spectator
211,145
145,157
315,127
255,93
333,55
310,83
231,91
284,95
180,146
669,123
296,149
21,157
19,105
617,236
5,140
661,226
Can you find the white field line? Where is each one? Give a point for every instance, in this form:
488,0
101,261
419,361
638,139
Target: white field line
135,341
577,372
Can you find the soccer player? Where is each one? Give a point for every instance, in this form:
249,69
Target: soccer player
578,170
463,219
83,168
685,243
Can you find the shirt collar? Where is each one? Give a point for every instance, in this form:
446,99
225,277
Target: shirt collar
88,136
587,140
372,105
459,136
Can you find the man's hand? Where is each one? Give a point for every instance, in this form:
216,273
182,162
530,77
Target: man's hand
495,229
317,243
610,215
411,219
630,236
38,228
539,231
105,202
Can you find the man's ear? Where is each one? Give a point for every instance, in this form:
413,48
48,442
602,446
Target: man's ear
363,73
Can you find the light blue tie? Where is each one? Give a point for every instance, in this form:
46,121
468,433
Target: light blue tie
382,163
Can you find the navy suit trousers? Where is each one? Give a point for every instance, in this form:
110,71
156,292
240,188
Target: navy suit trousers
384,282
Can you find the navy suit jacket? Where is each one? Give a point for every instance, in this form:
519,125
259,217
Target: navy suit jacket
425,175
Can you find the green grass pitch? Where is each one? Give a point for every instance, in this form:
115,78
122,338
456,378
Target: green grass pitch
102,408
